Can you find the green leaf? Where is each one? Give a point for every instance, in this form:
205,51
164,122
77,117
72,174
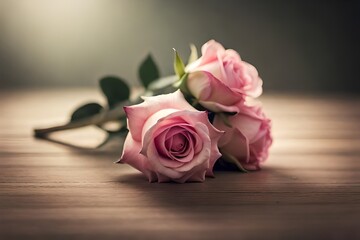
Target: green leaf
115,89
85,111
148,71
193,54
179,66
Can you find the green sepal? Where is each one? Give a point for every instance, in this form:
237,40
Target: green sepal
179,66
182,84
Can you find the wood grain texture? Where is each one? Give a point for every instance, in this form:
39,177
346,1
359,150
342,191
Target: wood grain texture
308,189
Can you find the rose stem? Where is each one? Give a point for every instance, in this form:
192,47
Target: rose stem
98,119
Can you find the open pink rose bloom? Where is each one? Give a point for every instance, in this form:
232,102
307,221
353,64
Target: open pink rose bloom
168,139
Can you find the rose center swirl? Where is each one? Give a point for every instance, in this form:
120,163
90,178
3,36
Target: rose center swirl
176,143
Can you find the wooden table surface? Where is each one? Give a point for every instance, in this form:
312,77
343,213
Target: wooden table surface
308,189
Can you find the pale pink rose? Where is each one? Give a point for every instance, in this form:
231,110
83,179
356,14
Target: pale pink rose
220,80
169,140
249,139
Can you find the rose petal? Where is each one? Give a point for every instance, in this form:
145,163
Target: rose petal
161,178
151,121
178,142
204,154
228,131
167,161
253,83
196,175
247,125
238,147
131,155
210,50
260,148
230,69
212,92
158,163
138,114
187,154
165,156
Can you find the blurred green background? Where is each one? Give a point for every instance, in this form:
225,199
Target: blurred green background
297,46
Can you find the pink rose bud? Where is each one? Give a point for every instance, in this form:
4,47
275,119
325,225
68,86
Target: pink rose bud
169,140
220,80
249,138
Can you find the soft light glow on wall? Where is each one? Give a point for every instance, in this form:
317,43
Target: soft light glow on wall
54,39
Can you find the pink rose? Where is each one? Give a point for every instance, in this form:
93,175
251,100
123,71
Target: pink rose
220,80
168,140
249,139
